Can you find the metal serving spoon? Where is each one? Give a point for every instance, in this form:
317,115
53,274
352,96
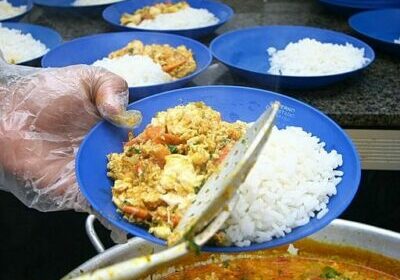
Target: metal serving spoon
208,212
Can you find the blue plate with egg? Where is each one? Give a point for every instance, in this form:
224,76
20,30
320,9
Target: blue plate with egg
251,59
68,6
27,6
49,37
222,12
234,103
380,27
87,50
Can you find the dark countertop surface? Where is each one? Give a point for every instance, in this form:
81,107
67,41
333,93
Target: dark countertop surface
367,101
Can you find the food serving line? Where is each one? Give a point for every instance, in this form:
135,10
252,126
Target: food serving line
365,105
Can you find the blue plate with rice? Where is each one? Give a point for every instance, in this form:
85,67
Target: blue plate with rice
222,13
87,50
380,27
252,60
245,104
20,9
47,36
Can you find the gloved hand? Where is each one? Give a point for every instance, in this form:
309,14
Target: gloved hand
44,115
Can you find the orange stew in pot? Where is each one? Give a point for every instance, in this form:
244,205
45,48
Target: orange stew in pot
314,261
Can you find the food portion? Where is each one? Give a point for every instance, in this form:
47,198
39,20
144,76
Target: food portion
18,47
142,65
8,11
280,267
177,62
93,2
169,15
161,170
313,261
290,183
309,57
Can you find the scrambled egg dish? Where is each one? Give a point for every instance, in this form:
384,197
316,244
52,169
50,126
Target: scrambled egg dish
160,171
177,62
150,12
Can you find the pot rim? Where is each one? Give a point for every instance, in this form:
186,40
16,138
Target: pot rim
340,232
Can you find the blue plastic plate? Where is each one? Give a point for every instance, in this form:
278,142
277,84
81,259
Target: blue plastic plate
250,59
47,36
348,7
380,27
87,50
113,13
17,3
66,5
234,103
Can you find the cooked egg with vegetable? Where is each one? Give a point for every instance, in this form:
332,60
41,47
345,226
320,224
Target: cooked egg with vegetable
174,16
144,65
160,170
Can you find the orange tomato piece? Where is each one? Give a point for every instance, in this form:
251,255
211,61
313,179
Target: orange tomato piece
159,153
172,139
137,212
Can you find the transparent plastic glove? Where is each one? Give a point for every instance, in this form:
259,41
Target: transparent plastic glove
44,115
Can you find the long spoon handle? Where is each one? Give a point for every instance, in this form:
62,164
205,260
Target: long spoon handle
138,267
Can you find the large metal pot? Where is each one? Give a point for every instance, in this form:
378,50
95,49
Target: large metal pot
339,232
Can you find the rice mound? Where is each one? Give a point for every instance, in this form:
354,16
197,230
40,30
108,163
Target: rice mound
137,70
7,10
184,19
309,57
291,182
18,47
93,2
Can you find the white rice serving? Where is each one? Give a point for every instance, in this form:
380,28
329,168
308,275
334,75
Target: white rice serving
7,10
309,57
290,183
18,47
397,41
93,2
137,70
184,19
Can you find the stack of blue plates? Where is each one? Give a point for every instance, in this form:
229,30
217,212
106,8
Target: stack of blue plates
352,6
